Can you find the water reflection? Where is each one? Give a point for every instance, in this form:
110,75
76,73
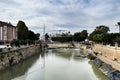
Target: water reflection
58,64
98,73
19,69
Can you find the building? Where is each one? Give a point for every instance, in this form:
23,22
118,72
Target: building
8,32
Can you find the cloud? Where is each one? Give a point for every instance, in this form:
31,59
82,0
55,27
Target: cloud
73,15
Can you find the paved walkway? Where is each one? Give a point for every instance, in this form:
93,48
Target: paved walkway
114,64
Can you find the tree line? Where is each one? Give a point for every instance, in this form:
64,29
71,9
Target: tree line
78,36
99,35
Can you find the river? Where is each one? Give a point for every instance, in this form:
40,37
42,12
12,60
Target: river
56,64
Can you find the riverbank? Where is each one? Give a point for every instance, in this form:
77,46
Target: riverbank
110,67
98,72
108,70
104,65
15,56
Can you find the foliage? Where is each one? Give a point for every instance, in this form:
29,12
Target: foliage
66,37
33,36
25,34
22,30
91,57
98,37
66,34
21,42
102,29
47,37
115,37
107,38
37,36
62,39
15,43
0,49
80,36
99,33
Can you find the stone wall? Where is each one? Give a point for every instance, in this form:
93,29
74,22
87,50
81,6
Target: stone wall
108,51
15,56
110,72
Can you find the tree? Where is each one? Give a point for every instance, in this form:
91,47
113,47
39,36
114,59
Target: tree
102,29
47,37
22,30
37,36
80,36
32,36
84,34
98,37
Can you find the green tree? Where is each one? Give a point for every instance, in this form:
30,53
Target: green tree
32,36
84,34
22,30
98,37
107,38
47,37
102,29
37,36
80,36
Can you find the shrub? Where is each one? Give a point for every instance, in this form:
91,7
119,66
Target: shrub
91,57
0,49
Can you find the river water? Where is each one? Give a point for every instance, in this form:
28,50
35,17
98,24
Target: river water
57,64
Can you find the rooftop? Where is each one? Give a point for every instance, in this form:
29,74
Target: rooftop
5,23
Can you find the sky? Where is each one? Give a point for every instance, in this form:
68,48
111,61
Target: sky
68,15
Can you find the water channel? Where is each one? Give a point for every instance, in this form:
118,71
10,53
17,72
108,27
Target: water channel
56,64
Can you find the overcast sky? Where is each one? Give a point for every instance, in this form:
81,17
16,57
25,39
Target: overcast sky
70,15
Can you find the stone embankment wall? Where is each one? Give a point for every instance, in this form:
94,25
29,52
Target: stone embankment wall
15,56
108,51
110,72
